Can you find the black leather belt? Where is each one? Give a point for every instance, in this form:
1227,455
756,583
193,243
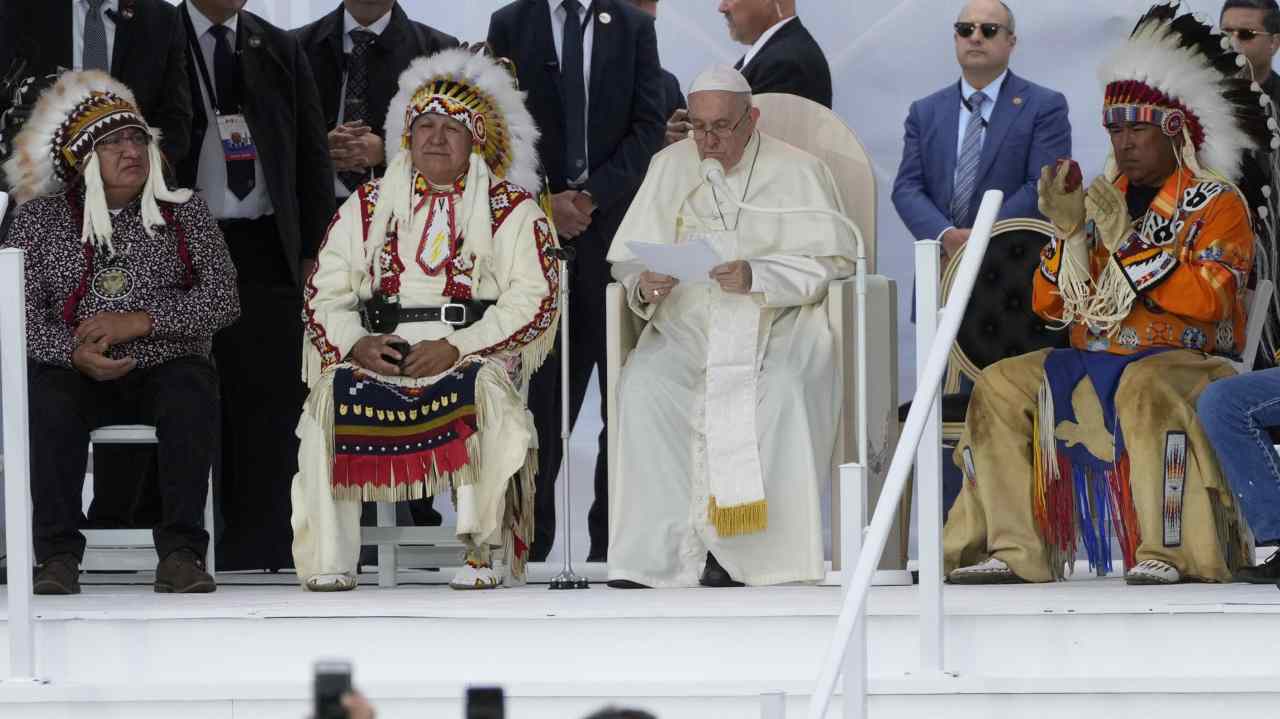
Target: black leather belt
383,317
458,314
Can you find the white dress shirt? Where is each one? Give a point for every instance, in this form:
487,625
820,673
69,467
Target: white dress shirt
764,38
80,8
349,23
211,179
558,15
992,92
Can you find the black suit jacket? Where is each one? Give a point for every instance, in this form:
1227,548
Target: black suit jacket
282,108
389,55
792,63
626,99
147,55
671,91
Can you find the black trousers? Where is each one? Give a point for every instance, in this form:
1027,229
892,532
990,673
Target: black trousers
259,361
179,398
589,275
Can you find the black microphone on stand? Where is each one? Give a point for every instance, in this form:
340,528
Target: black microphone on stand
562,253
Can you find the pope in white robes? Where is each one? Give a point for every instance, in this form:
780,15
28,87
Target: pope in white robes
433,300
728,406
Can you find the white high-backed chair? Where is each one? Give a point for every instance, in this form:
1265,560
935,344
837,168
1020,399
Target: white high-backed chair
817,130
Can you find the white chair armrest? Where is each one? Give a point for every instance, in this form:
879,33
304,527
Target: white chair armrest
622,332
882,394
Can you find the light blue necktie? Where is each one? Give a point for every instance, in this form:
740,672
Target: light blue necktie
95,39
967,163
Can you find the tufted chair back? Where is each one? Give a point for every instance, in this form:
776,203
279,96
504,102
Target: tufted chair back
999,322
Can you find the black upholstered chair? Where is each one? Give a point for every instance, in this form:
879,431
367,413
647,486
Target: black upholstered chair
998,323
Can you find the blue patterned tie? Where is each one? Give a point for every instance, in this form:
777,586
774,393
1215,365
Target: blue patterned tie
95,39
967,163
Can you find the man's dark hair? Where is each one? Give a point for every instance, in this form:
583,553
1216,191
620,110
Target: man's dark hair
1270,21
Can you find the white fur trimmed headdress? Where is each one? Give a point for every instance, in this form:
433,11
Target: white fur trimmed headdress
1178,73
480,92
57,144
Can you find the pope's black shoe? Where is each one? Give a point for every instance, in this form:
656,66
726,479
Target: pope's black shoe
625,584
714,575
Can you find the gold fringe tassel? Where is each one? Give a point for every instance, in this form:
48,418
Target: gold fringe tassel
740,519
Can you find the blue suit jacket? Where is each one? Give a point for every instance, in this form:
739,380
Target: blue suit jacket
1029,129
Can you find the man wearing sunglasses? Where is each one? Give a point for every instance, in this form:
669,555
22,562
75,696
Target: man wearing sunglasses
1254,27
992,130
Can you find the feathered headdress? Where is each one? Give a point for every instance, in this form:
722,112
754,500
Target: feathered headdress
57,145
1180,74
480,92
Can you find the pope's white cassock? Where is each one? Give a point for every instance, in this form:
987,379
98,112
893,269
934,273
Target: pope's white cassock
728,406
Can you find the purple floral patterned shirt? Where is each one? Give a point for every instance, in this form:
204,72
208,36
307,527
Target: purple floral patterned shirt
187,303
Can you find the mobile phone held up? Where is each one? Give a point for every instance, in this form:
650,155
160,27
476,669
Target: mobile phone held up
486,703
333,679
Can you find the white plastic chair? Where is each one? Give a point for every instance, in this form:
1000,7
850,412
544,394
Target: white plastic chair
409,546
104,542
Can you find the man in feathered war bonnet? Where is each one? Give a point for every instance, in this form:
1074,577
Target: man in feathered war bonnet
126,283
1149,269
433,300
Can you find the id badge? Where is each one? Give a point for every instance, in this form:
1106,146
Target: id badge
237,141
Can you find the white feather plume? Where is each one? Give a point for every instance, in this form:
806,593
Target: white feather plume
1152,56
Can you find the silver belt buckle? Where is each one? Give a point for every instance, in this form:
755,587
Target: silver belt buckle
459,316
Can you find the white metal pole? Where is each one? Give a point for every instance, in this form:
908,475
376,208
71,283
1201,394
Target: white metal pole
899,469
17,467
929,464
853,511
567,578
388,561
773,705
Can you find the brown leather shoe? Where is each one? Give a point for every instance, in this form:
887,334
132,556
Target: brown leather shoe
182,572
60,574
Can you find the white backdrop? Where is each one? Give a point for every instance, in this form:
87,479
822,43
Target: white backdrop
883,53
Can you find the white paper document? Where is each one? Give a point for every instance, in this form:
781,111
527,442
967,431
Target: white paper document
688,262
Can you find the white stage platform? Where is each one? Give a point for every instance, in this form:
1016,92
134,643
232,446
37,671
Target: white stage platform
1090,647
